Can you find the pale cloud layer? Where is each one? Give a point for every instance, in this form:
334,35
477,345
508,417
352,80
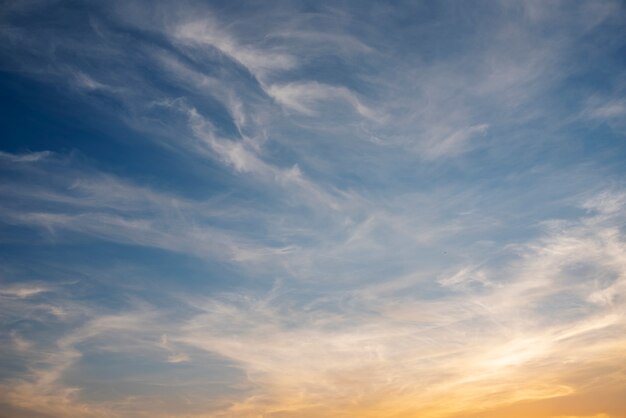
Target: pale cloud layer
313,210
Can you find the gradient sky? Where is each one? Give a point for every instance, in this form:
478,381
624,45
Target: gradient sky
281,209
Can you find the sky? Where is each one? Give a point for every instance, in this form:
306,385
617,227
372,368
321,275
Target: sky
277,209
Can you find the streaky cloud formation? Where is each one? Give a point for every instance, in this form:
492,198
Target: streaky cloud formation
300,209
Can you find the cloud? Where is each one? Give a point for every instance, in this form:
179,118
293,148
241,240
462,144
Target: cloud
22,291
608,110
389,211
454,143
258,61
586,416
28,157
328,353
304,97
105,207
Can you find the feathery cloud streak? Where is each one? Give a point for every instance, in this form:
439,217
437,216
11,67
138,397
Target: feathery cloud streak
304,210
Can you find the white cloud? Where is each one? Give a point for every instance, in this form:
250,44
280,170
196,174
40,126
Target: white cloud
22,290
401,278
455,143
472,344
305,97
260,62
611,110
28,157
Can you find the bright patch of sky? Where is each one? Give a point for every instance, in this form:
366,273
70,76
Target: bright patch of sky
313,209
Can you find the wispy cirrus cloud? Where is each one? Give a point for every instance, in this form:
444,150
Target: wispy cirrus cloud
304,210
393,338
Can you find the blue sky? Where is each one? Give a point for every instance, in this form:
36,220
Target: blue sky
305,209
